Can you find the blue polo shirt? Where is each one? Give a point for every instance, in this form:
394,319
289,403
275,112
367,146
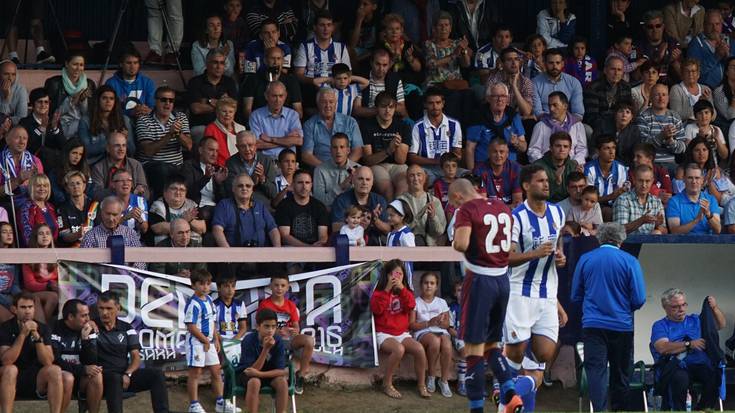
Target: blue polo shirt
689,329
680,206
482,135
317,137
252,346
255,223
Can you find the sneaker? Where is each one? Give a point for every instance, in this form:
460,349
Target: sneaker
299,385
462,389
45,58
548,382
196,408
515,405
444,388
431,384
153,58
226,407
15,60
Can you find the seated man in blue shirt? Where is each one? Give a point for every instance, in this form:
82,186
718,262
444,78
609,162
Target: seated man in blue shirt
677,338
693,211
263,362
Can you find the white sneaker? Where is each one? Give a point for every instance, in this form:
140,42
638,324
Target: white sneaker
227,407
444,388
431,384
196,408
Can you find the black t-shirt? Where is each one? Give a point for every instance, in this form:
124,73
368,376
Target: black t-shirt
27,358
73,219
114,345
200,88
303,220
254,87
379,139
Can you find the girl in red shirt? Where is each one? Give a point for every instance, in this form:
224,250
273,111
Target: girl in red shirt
42,279
391,303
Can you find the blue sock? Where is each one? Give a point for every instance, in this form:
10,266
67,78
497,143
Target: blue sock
194,402
476,383
526,388
220,400
502,372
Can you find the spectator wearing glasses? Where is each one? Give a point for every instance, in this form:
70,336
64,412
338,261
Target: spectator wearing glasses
662,50
173,205
163,136
520,87
693,211
676,341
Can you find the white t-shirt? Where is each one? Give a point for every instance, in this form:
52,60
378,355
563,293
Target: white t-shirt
426,311
355,235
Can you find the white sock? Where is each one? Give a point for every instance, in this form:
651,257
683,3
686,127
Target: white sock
39,49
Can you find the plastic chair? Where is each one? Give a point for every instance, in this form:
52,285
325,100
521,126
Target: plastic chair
232,389
637,380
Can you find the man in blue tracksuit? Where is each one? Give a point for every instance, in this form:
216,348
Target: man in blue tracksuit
609,284
135,90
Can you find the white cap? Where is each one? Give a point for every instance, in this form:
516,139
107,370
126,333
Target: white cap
398,206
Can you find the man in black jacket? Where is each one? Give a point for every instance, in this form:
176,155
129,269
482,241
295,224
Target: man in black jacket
205,180
74,343
381,79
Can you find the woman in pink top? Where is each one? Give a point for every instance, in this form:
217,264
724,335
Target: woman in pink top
42,279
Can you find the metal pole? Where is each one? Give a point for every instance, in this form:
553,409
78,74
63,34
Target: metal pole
111,46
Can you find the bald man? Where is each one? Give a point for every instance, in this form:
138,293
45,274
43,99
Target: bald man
179,237
361,194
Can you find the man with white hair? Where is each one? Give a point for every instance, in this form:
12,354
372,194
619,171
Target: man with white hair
320,128
261,168
602,94
608,282
111,210
677,338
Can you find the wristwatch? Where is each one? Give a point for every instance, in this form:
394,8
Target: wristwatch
130,375
688,344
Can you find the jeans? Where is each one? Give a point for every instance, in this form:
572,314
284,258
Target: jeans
156,29
143,380
600,348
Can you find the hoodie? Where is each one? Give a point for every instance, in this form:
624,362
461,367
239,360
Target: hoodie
141,90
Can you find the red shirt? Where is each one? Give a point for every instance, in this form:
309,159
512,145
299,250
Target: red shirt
391,311
287,313
487,218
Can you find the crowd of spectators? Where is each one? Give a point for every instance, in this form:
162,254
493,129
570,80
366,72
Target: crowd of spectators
295,119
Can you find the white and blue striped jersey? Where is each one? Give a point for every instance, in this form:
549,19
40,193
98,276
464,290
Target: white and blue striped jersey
318,62
228,317
430,142
486,57
536,278
605,185
203,314
346,97
403,238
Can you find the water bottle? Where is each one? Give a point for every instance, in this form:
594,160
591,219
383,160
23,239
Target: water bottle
689,402
650,400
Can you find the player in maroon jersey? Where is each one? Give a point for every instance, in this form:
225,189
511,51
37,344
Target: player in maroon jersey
482,232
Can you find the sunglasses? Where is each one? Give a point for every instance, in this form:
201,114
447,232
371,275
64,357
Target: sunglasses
166,100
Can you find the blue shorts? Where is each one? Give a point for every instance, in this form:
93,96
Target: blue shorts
484,299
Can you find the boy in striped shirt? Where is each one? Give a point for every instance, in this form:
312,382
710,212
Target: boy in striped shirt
232,316
348,87
202,343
